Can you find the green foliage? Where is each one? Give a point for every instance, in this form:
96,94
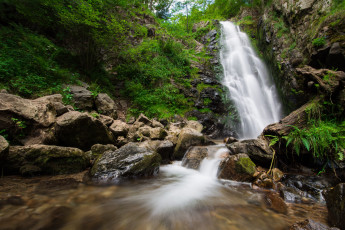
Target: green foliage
95,115
319,42
326,139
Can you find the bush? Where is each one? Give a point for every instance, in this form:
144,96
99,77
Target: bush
319,42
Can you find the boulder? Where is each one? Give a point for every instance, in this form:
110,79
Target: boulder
275,202
4,147
56,101
257,149
164,148
45,159
194,125
119,128
107,121
98,149
142,118
335,199
193,157
40,136
82,98
32,112
158,133
174,131
310,224
237,167
157,124
129,161
187,138
105,105
75,129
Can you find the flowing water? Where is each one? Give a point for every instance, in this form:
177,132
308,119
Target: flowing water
250,84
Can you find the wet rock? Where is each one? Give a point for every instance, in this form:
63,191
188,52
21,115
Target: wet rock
127,162
4,147
80,130
105,105
237,167
119,128
45,159
193,157
335,199
164,148
275,202
187,138
257,149
230,140
82,98
98,149
310,224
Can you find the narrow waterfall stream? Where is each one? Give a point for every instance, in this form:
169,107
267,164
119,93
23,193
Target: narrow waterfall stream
250,84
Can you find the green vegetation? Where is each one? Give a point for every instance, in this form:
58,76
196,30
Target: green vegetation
319,42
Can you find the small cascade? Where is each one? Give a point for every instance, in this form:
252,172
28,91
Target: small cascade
250,84
189,187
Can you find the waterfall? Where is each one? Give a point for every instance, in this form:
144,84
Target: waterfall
251,87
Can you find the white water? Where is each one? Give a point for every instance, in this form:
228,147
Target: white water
188,187
250,85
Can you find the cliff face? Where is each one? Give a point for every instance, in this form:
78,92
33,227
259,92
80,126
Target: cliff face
295,33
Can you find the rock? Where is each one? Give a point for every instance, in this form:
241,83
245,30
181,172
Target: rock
98,149
80,130
121,141
107,121
164,148
275,202
257,149
142,118
237,167
33,112
45,159
82,98
144,131
56,101
335,58
4,147
187,138
194,156
119,128
335,199
157,124
158,133
230,140
127,162
40,136
194,125
174,131
277,175
309,224
105,105
3,91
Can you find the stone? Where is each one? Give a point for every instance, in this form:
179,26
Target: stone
120,141
310,224
335,58
257,149
98,149
34,112
158,133
335,200
107,121
75,129
174,131
129,161
82,98
164,148
237,167
119,128
44,136
277,175
4,148
45,159
193,157
157,124
142,118
187,138
105,105
194,125
275,202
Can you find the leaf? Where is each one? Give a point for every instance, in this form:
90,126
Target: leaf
306,143
289,139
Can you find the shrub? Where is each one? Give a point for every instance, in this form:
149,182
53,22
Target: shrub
319,42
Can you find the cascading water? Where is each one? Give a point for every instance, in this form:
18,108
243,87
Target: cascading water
250,85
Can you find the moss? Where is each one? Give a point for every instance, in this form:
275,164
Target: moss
245,165
147,165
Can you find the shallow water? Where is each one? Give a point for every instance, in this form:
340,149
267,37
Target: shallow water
178,198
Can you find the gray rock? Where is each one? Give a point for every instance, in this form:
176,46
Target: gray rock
105,105
257,149
187,138
127,162
45,159
98,149
82,98
80,130
194,156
